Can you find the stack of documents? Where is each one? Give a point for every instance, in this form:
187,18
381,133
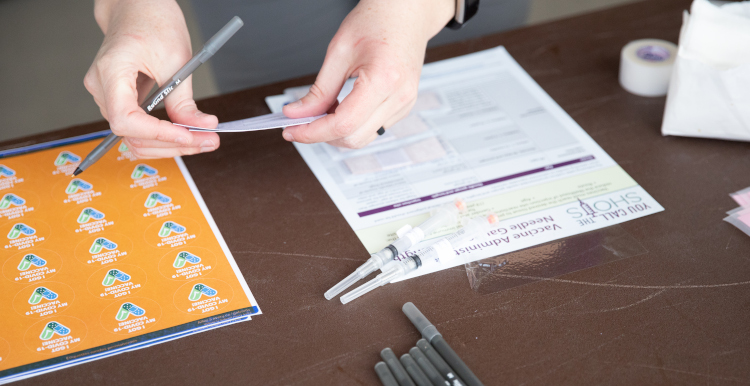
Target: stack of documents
122,257
484,131
740,217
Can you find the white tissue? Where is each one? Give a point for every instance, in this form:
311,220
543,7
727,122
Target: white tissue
709,93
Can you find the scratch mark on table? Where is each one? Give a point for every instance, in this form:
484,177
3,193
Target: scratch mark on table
632,286
588,292
647,298
295,255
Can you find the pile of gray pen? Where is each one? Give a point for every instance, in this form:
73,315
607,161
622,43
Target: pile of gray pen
431,362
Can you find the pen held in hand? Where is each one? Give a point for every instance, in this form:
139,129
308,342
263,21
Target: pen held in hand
209,49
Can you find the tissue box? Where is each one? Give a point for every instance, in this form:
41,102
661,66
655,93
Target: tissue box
709,92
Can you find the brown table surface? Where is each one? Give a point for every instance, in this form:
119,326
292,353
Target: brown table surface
292,244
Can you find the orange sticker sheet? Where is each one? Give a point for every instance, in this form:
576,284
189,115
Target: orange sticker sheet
123,256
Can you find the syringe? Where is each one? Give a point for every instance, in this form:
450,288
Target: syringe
407,237
475,228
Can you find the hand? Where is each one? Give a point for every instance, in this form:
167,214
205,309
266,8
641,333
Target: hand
382,43
146,41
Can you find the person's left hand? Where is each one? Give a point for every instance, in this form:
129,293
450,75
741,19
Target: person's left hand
382,43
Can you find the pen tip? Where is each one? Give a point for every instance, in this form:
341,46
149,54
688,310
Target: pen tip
77,172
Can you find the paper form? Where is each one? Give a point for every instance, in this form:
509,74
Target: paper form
122,257
263,122
505,147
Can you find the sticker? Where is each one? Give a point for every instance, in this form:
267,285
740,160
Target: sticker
157,204
6,171
66,157
66,163
55,335
78,191
128,309
131,316
17,203
42,293
170,227
204,296
31,266
89,220
78,185
185,257
156,198
117,281
20,228
102,243
89,213
10,176
173,233
44,299
26,234
187,264
198,291
142,170
29,260
11,199
125,153
143,175
105,249
115,275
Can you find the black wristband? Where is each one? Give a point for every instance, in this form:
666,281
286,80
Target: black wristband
470,8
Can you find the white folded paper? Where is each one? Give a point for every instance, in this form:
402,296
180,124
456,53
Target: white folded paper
263,122
709,93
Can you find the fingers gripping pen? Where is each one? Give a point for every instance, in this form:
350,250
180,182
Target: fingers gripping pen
407,237
475,228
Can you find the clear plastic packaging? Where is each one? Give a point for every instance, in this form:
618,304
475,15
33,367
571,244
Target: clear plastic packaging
407,237
443,249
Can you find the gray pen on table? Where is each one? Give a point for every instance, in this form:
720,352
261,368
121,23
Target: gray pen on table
428,368
385,375
431,333
398,370
438,362
416,374
209,49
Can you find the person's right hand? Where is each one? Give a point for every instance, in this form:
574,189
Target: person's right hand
146,41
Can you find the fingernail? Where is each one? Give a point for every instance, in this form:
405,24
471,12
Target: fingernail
207,144
181,141
206,149
295,105
288,136
199,113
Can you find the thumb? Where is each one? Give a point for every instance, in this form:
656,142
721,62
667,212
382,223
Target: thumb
181,107
323,93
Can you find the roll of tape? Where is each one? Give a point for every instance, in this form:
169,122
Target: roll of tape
646,66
